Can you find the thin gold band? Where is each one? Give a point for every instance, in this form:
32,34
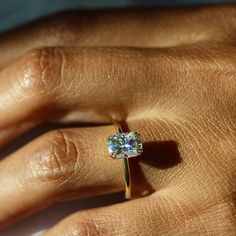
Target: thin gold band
126,166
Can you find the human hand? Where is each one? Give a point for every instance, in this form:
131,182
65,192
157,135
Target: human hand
169,73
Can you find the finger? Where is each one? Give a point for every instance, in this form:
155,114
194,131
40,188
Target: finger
89,29
72,84
59,165
162,213
137,217
139,28
94,84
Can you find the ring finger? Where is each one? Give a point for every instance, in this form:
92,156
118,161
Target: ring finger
61,164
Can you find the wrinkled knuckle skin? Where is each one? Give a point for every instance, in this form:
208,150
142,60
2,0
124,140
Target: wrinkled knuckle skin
56,158
40,72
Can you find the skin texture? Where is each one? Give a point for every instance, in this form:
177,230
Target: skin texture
171,74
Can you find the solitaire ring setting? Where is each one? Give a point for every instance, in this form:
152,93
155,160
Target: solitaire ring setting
125,145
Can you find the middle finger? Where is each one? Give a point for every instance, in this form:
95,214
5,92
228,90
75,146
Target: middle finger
80,84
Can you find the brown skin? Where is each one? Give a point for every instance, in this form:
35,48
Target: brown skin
170,73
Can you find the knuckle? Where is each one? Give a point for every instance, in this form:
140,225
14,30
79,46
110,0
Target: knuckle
40,72
56,158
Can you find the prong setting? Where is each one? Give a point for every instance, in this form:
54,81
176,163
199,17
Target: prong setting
125,145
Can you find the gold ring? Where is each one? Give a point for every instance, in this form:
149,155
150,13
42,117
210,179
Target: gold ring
125,145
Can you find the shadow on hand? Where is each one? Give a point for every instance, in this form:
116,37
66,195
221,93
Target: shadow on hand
158,154
162,155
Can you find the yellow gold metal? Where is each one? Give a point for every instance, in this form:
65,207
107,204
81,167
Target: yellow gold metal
126,166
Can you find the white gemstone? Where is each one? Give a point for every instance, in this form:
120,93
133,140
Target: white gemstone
125,145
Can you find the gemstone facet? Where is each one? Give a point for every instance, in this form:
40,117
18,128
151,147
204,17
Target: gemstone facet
125,145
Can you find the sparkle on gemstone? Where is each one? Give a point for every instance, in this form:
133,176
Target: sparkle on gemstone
125,145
